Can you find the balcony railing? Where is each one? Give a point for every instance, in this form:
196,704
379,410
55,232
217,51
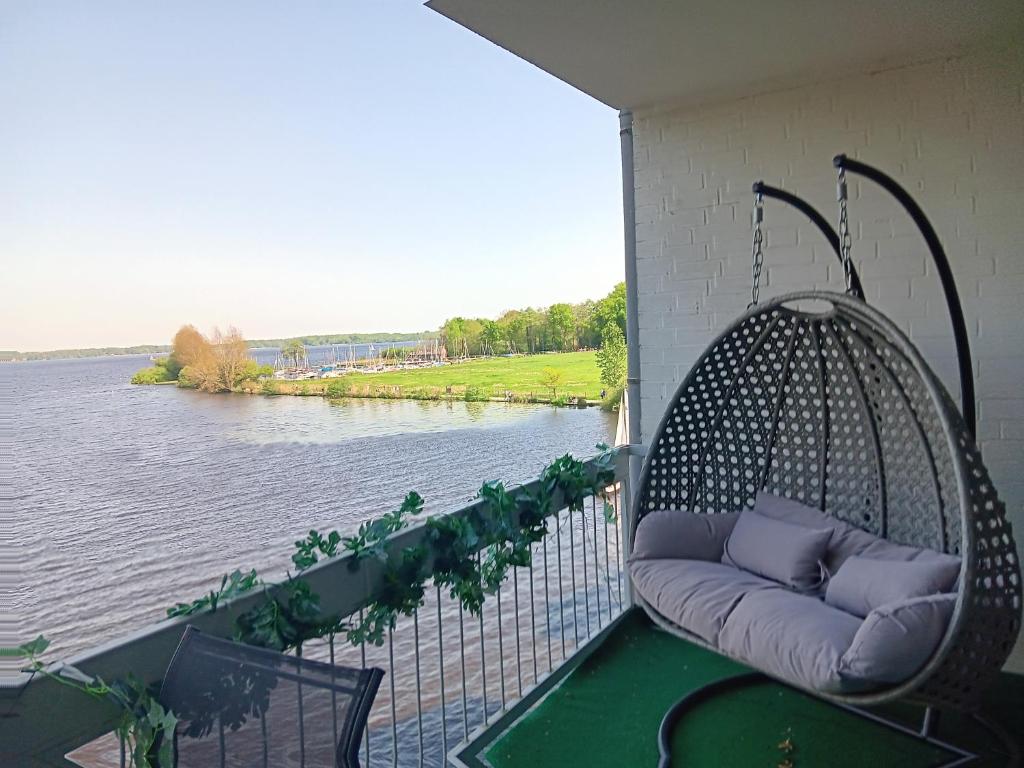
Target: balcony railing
448,674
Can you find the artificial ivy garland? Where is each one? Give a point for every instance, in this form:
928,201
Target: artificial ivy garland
502,526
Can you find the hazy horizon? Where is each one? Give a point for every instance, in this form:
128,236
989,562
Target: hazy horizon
286,168
248,340
274,337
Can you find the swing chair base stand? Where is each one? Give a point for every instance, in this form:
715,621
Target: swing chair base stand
678,710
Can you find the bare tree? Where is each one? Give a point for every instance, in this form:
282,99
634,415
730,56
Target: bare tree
232,357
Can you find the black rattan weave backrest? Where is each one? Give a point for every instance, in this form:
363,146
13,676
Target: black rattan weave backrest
244,706
824,409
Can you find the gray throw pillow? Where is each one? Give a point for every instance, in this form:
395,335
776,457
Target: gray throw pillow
896,640
863,584
784,552
847,540
672,534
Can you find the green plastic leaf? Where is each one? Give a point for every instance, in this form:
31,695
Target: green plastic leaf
30,649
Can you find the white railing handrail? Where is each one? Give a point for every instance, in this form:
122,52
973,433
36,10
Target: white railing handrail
47,720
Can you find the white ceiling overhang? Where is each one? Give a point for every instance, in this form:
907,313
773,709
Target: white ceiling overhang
638,53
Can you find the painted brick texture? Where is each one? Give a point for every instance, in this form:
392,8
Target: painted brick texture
951,131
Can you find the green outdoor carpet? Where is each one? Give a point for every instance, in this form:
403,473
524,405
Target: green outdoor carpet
607,713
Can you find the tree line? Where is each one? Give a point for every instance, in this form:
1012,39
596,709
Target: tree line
558,328
328,339
313,340
71,354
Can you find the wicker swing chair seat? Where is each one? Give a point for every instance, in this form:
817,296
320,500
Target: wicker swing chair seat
838,410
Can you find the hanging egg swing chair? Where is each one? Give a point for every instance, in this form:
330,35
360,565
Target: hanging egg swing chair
818,399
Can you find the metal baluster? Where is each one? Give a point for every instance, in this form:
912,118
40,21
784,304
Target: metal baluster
263,734
462,657
394,715
533,621
586,586
561,599
362,660
607,560
302,725
483,664
501,651
597,574
572,570
440,662
547,599
334,693
120,741
419,697
519,660
223,746
619,554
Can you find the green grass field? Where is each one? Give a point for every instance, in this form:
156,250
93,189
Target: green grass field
490,377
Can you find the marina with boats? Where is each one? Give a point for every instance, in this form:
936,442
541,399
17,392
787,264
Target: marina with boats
377,358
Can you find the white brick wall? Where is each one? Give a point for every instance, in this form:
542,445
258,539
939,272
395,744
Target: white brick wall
951,131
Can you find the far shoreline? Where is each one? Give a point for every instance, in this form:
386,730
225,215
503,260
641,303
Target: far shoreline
379,392
518,379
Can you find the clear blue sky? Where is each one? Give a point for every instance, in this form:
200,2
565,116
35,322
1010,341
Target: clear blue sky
288,168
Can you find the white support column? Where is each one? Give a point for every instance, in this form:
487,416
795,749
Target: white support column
631,397
632,294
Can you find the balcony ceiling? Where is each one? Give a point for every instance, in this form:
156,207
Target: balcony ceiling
631,54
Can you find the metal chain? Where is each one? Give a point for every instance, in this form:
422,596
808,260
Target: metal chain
845,240
757,251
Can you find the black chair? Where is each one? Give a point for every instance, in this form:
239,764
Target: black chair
239,705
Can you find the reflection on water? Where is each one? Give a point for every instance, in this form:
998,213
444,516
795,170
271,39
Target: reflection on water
258,419
124,500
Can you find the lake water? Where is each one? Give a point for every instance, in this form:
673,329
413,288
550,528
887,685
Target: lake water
123,499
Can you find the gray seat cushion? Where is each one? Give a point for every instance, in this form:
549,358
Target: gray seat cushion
698,596
794,637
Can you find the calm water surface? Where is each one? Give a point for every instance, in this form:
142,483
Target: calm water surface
126,499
